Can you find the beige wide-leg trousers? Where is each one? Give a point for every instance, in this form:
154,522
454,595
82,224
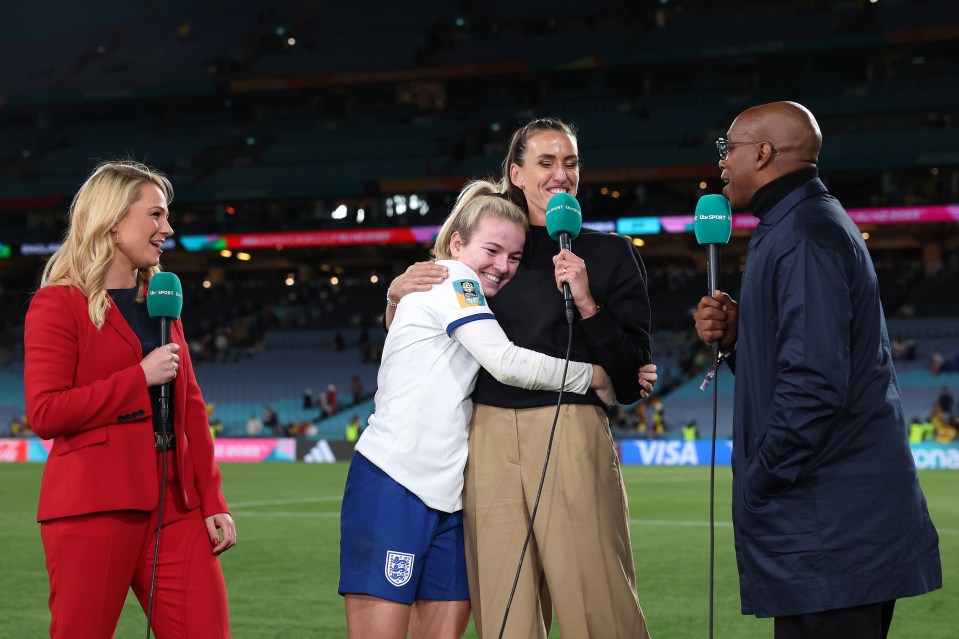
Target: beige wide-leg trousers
579,561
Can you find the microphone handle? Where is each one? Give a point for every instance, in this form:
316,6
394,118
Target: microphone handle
712,277
164,340
712,268
565,243
165,388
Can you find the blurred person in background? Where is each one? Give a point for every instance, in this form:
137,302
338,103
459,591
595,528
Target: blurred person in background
942,428
93,370
332,400
254,426
402,559
830,523
352,430
580,560
356,389
20,427
945,400
271,420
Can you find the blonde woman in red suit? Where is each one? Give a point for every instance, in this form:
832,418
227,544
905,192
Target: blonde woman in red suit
94,367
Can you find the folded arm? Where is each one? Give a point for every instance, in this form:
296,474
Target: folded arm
516,366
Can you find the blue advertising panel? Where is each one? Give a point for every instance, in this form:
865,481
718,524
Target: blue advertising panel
936,456
673,452
677,452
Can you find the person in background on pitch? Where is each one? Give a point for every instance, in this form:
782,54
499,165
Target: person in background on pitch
402,561
93,369
830,524
580,560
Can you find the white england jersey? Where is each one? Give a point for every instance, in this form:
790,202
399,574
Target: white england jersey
418,432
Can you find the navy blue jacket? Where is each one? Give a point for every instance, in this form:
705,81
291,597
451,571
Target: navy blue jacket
827,508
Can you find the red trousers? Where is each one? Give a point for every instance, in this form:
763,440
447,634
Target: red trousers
93,560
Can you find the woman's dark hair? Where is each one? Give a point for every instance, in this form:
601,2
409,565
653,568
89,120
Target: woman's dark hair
517,152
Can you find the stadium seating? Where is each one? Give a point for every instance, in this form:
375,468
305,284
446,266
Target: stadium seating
237,114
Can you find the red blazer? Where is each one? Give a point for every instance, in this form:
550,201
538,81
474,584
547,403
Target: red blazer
85,390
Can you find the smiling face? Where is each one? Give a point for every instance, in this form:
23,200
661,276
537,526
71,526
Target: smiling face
493,252
739,170
550,166
138,236
767,142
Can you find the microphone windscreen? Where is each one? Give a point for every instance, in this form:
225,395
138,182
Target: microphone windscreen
563,215
714,220
165,296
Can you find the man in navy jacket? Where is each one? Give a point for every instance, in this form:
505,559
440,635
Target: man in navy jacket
831,526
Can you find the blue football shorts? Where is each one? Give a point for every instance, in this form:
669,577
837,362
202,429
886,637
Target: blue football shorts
395,547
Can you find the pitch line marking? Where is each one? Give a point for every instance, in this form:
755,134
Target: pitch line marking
681,523
284,502
649,479
285,515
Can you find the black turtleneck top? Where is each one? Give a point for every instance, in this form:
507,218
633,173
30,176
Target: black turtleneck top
770,194
147,331
530,310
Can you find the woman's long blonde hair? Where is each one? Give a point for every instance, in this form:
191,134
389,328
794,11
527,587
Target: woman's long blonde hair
88,248
478,198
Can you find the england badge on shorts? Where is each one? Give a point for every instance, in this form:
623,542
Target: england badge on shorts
399,567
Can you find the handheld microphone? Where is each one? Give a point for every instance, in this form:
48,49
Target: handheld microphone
165,302
564,219
713,225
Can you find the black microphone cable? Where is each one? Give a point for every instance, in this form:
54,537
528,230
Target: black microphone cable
542,480
712,375
164,420
712,498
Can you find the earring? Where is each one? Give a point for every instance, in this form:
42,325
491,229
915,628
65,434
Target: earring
116,238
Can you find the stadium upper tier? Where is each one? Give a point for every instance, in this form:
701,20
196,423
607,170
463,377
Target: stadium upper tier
192,46
298,99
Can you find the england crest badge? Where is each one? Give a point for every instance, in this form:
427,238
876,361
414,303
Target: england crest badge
399,567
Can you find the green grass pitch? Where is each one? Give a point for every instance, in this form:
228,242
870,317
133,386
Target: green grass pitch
281,577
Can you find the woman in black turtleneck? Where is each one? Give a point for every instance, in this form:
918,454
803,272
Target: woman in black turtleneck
581,543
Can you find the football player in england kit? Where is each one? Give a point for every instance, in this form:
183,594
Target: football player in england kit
402,563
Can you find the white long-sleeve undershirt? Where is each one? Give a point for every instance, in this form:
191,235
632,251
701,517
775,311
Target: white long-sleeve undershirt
517,366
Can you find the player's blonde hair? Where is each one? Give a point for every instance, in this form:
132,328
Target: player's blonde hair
477,199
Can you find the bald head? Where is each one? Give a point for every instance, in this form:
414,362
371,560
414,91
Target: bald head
765,143
790,127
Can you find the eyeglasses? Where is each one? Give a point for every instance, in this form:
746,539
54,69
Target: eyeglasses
723,145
